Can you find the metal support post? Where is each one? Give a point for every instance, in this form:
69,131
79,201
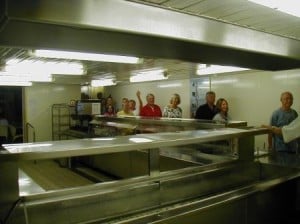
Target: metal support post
153,161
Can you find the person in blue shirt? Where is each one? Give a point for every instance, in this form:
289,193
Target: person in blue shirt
281,117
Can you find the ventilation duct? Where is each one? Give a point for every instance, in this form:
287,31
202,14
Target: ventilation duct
128,28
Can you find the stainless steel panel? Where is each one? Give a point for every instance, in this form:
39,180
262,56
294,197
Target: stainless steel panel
161,199
27,185
244,13
162,124
135,164
67,148
183,193
96,206
116,26
98,146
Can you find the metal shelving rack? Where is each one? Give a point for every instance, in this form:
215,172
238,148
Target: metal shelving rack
60,120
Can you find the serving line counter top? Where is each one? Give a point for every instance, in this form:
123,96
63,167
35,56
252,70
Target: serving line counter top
187,123
190,193
93,146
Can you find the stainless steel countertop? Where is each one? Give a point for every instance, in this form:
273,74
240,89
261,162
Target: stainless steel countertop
93,146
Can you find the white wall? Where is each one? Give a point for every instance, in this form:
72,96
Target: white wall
38,100
162,91
252,96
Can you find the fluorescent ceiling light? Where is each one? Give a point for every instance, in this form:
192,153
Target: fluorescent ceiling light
24,77
148,75
44,67
216,69
103,82
86,56
16,83
171,85
291,7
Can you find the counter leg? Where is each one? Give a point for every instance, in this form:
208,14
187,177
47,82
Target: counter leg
153,161
246,148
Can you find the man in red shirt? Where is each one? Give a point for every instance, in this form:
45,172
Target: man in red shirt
150,109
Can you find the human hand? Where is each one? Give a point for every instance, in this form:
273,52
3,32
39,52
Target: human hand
138,94
267,126
273,129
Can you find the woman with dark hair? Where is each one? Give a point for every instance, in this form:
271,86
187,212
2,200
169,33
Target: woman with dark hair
222,111
109,105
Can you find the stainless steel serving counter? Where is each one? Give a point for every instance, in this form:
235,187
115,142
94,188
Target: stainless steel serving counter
188,192
135,124
92,146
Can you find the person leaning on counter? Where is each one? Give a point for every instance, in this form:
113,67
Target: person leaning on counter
289,132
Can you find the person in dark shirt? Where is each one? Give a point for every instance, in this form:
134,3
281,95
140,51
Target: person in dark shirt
208,110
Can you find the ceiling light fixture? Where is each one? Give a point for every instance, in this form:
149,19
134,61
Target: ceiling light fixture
86,56
24,77
44,67
102,82
13,81
17,83
170,85
291,7
204,69
148,75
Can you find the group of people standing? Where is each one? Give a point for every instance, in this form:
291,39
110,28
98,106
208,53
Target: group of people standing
218,112
284,122
129,107
207,111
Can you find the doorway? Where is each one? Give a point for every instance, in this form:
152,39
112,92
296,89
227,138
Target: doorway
11,114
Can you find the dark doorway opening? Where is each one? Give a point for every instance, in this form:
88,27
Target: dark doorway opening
11,111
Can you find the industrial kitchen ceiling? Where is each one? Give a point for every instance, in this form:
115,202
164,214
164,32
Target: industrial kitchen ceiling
174,35
176,69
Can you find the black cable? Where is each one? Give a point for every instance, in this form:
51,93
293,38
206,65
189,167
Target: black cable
15,204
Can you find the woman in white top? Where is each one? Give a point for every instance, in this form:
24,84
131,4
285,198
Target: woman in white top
222,109
173,110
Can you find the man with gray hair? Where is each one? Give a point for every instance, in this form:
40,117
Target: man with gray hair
150,109
281,117
208,110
